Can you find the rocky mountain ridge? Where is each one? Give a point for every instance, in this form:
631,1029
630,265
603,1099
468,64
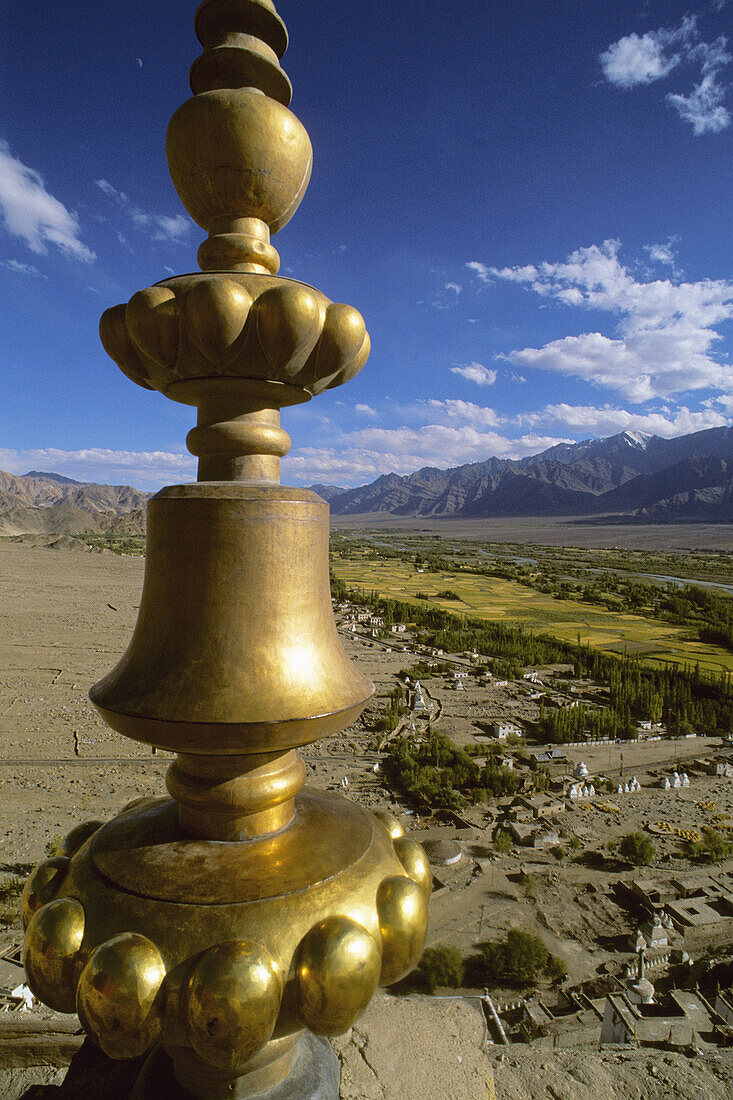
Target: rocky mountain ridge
645,477
632,476
46,503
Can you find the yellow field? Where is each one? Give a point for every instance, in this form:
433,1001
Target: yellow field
494,599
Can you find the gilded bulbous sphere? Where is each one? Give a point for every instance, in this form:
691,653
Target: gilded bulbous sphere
117,998
41,886
402,907
73,841
390,823
337,971
232,1002
234,151
51,952
412,857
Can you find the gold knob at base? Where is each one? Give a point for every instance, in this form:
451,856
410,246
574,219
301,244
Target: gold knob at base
117,997
232,1002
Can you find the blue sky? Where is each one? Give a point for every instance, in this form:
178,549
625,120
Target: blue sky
530,204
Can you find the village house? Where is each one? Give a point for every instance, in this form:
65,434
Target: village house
548,758
503,729
686,1020
535,835
542,805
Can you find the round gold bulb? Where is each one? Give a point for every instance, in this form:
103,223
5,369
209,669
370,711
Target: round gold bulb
390,823
403,922
73,841
232,1002
412,857
51,952
41,885
117,999
337,971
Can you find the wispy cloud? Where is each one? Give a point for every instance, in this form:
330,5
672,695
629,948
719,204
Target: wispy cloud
608,420
165,228
475,372
637,60
32,214
642,59
663,253
703,107
364,455
365,410
143,469
466,410
663,343
19,268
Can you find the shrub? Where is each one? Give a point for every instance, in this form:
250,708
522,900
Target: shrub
502,842
555,969
712,848
442,965
520,958
637,848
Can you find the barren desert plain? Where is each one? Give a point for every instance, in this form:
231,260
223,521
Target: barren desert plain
67,614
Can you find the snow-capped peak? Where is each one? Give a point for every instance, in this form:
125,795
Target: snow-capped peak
636,439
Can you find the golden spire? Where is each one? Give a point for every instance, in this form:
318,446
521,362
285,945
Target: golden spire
227,925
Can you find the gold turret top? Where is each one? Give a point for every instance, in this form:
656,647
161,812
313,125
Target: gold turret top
239,159
237,340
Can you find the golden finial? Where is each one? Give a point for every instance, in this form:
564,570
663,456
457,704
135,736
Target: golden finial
224,921
238,341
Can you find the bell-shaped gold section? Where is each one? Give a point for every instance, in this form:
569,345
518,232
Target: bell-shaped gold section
235,649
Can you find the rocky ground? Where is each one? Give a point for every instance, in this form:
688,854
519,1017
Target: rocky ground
424,1049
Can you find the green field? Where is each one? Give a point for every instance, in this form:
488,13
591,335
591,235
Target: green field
566,619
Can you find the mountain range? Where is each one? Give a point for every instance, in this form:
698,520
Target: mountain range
48,503
632,474
642,478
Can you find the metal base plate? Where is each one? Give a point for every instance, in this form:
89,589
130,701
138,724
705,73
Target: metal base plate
315,1076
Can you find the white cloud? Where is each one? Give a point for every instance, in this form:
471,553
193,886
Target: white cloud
664,337
712,55
455,287
476,372
364,455
480,270
32,214
365,410
725,400
138,468
636,60
165,228
662,253
608,420
23,269
173,228
642,59
703,107
466,410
